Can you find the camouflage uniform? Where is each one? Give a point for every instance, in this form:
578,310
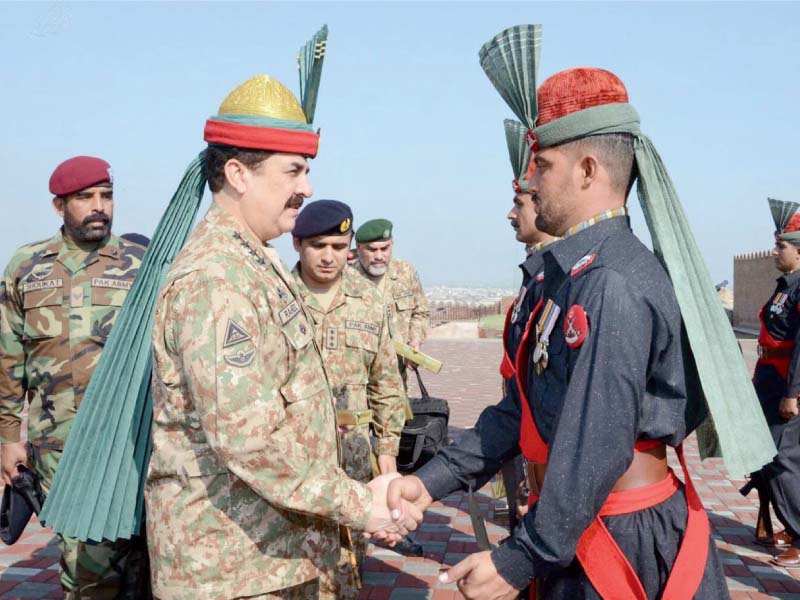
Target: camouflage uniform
243,492
406,304
362,370
58,302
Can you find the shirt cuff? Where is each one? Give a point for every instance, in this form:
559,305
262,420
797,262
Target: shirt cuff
389,446
513,564
437,478
357,507
10,434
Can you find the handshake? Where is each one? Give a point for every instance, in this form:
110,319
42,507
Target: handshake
397,506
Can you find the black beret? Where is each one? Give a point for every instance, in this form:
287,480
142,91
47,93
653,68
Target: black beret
323,217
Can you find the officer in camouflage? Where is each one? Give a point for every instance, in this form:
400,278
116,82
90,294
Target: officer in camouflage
245,497
349,322
58,301
397,281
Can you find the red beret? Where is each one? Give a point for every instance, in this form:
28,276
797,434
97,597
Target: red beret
572,90
78,173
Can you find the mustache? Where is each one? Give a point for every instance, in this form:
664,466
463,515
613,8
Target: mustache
101,218
515,224
296,201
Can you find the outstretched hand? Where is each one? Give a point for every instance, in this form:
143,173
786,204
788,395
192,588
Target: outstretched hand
477,579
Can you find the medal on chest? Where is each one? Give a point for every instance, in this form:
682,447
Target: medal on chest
778,303
544,327
518,304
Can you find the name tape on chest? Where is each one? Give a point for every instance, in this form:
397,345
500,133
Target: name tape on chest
403,294
289,312
362,326
115,284
47,284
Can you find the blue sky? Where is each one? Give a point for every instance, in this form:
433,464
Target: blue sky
411,128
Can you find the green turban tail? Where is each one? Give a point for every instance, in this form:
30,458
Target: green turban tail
721,376
97,493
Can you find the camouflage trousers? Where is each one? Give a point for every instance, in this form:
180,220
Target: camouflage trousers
357,462
95,571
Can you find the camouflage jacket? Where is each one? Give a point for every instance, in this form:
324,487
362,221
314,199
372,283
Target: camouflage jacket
405,301
55,317
244,490
359,356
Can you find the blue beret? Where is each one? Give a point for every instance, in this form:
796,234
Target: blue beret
323,217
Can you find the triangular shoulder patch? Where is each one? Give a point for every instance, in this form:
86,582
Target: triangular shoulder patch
235,334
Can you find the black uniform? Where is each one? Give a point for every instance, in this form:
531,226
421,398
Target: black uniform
532,273
513,471
780,318
626,381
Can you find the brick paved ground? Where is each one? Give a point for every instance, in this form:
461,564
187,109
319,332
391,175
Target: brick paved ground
469,381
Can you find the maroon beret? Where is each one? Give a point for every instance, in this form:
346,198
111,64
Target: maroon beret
78,173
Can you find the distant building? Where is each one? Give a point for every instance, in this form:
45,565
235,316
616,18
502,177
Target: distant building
754,275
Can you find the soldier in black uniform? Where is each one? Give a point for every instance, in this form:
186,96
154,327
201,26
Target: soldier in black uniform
605,391
777,383
522,217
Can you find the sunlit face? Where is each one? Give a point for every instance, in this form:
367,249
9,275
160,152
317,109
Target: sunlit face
375,256
787,256
323,257
522,217
274,193
553,190
87,214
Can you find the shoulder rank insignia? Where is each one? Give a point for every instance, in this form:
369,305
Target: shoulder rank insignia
234,334
582,264
576,326
241,358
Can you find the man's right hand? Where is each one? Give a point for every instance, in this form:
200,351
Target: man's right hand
406,498
12,455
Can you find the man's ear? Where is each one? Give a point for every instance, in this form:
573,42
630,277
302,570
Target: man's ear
589,170
296,241
236,175
58,205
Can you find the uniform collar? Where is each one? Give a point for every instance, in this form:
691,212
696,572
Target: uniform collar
236,234
533,262
571,249
790,278
348,288
108,248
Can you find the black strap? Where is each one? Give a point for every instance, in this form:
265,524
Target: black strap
422,389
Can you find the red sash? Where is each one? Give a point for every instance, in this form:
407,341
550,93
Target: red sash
604,563
766,340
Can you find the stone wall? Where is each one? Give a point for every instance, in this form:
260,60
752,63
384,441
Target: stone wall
754,277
